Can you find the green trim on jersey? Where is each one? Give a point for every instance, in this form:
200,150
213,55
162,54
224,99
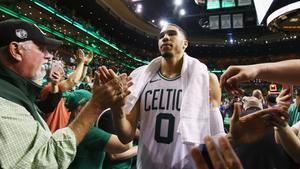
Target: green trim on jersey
166,78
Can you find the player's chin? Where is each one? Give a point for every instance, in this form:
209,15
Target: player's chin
167,54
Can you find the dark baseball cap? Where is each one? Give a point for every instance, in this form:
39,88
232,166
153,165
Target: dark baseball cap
20,31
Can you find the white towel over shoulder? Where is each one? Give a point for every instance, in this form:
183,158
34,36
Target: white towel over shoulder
194,122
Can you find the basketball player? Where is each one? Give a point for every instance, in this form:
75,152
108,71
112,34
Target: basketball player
176,102
160,88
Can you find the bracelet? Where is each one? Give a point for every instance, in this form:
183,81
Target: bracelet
86,65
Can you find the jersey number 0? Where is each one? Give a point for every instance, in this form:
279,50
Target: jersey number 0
169,138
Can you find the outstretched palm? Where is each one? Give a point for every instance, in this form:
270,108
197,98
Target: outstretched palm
252,127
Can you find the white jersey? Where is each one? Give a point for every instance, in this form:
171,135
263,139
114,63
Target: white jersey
160,145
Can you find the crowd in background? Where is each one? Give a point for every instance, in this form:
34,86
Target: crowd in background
71,78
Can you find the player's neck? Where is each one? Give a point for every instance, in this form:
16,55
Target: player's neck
171,67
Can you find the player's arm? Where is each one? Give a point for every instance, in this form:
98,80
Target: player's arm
214,91
125,124
216,121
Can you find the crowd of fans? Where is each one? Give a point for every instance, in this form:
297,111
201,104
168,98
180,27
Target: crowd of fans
133,43
72,87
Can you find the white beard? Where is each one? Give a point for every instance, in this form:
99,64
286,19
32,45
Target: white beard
39,75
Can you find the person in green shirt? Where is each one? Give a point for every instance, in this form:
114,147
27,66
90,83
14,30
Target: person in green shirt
294,111
91,151
123,160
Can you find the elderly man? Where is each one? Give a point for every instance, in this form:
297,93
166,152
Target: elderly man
26,141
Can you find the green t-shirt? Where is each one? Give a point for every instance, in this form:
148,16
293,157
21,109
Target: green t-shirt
294,114
119,164
90,152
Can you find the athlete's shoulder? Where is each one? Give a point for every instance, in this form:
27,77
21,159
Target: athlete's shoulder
213,77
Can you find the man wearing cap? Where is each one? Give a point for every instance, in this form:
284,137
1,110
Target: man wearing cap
25,139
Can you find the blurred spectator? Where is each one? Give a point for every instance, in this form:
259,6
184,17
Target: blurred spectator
116,161
251,103
271,100
259,95
294,111
91,151
265,153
